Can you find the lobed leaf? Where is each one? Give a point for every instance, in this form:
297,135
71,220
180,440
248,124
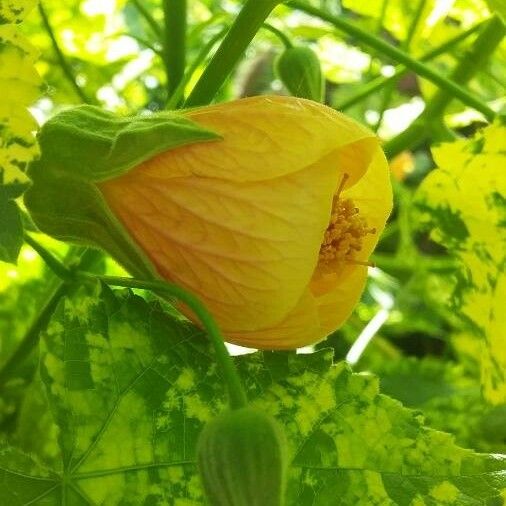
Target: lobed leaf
464,202
130,388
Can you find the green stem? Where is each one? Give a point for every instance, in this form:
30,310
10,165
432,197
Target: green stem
401,70
279,34
472,61
174,42
50,260
416,262
406,247
31,337
377,31
155,27
415,135
390,88
178,93
484,45
235,389
399,56
145,43
241,33
65,66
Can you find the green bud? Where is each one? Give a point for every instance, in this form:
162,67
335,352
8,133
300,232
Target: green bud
299,70
86,145
242,459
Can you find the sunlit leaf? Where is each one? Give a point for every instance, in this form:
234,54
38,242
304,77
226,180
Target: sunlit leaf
450,398
498,6
130,388
464,201
19,87
14,11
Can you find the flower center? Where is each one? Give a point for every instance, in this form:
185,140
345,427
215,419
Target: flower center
344,236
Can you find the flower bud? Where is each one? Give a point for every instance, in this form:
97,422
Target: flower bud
299,70
242,459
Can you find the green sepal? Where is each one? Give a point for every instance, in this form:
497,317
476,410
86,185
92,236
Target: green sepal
84,146
300,71
95,145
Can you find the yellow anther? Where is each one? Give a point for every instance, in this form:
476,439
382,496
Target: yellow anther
344,235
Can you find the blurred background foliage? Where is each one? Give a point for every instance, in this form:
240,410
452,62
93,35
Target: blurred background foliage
110,53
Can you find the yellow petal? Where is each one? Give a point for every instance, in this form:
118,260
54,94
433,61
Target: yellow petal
373,196
336,295
240,221
247,251
300,327
267,137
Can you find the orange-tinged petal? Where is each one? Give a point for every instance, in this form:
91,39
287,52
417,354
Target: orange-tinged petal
301,326
336,295
247,251
373,196
267,137
240,221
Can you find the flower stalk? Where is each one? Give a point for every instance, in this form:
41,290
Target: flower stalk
241,33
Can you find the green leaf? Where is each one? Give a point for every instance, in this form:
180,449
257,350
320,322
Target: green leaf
130,388
19,87
498,6
24,481
463,202
449,396
14,11
85,145
11,231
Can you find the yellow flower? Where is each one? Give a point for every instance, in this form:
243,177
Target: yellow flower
272,225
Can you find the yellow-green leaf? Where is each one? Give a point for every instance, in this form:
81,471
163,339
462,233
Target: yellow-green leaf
19,87
14,11
465,202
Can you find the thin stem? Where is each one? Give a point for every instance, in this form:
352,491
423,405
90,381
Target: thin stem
64,64
235,389
50,260
399,56
279,34
401,70
377,31
406,247
484,45
174,42
145,43
241,33
178,93
389,90
155,27
416,262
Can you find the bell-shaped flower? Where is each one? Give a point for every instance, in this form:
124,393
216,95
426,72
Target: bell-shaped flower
271,226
